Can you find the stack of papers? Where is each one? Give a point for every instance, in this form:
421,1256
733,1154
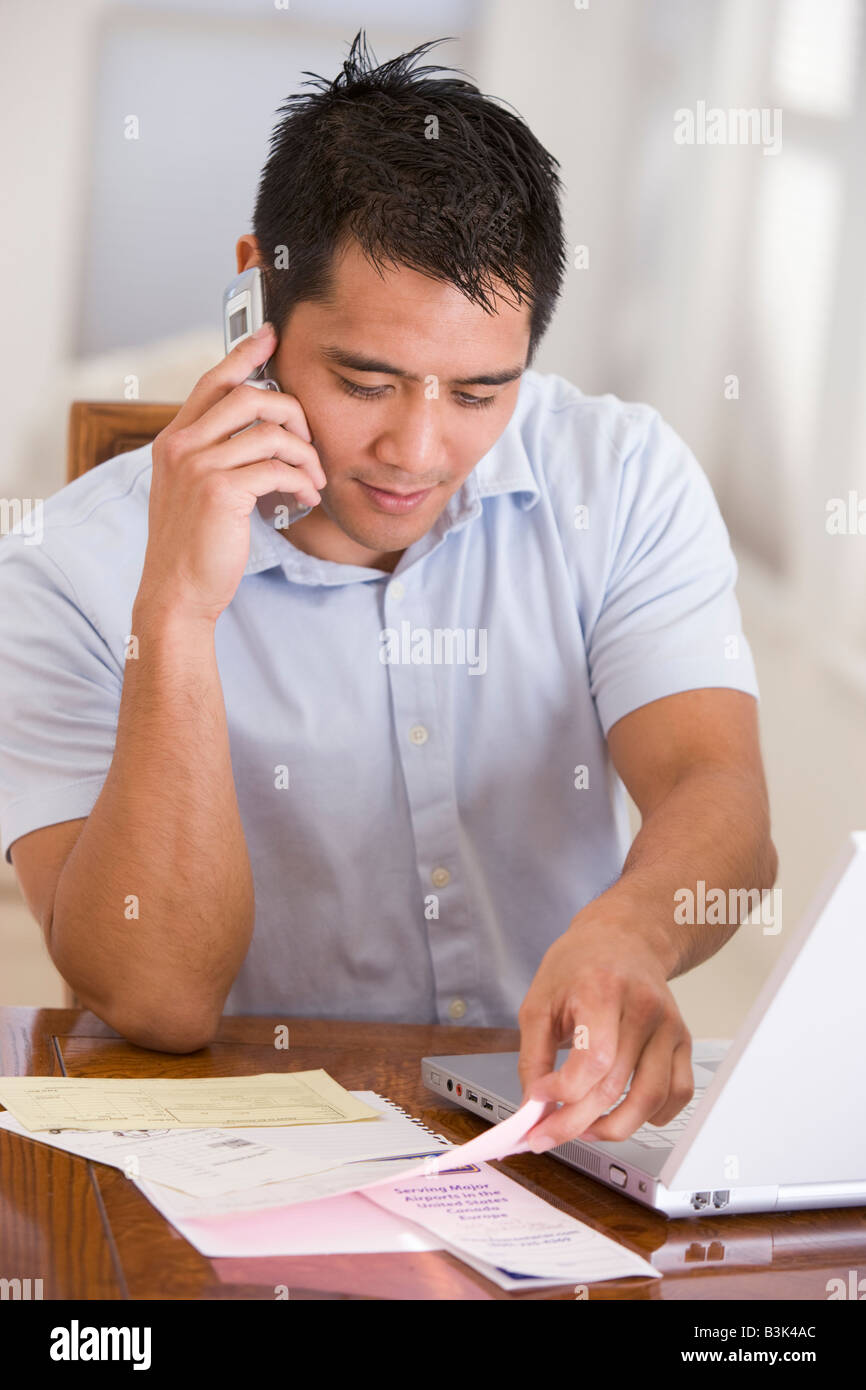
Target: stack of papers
291,1163
98,1103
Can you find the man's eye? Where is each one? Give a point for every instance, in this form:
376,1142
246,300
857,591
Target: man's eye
366,393
372,393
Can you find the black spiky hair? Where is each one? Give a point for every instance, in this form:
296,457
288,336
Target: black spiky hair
422,171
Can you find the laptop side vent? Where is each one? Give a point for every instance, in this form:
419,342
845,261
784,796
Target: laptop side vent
588,1159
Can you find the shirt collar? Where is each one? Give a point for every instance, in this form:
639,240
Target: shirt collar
505,468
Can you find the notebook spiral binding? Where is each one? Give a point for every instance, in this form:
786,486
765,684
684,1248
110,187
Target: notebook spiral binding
449,1143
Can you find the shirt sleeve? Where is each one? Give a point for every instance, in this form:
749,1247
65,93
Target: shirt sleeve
668,620
60,688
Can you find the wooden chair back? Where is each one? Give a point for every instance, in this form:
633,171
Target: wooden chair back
98,430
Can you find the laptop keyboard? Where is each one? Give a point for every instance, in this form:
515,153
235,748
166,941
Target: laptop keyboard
665,1136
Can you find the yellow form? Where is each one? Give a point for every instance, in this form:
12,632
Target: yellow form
100,1103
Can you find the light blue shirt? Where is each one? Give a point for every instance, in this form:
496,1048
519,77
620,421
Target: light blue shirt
420,758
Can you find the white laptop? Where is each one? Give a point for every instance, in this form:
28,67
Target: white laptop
778,1117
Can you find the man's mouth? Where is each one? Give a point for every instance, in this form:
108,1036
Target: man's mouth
395,503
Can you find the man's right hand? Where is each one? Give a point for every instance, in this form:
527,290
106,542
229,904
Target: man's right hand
207,478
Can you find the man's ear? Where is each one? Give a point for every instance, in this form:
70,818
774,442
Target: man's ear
247,252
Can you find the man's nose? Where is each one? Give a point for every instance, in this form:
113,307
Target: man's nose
413,440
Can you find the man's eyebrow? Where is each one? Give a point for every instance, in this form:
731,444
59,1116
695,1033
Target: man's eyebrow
359,362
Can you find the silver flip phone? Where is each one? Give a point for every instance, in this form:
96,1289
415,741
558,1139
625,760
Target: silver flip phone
244,313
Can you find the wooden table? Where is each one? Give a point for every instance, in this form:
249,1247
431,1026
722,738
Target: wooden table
89,1233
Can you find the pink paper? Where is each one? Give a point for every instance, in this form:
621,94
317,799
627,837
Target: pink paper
499,1141
341,1225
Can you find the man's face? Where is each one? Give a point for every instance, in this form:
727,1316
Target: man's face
395,447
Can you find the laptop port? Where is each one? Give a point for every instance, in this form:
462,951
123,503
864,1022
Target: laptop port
486,1104
449,1084
470,1095
721,1199
700,1200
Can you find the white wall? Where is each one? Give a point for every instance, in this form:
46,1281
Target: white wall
116,251
46,75
705,262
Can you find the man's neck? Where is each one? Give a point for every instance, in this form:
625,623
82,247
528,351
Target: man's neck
314,535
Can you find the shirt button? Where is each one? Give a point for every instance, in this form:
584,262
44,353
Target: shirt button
418,734
457,1008
395,589
440,878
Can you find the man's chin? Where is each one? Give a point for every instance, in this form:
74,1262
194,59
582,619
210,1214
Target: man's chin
381,534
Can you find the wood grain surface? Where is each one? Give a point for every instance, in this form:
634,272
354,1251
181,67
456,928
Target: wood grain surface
86,1231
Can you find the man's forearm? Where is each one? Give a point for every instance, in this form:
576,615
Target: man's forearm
154,908
713,826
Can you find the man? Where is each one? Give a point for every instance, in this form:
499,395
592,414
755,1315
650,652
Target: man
367,766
